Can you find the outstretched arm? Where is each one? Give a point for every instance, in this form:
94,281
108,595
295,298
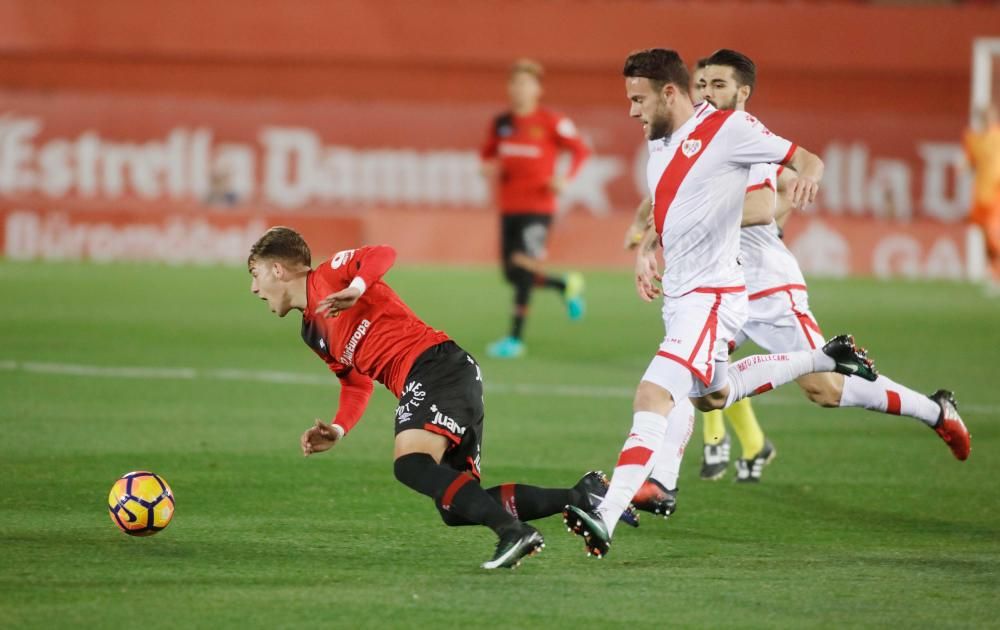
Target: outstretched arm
355,391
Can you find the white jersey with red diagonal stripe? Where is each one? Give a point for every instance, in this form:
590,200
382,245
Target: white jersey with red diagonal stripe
767,263
697,180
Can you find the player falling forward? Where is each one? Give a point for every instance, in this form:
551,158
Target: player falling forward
697,173
520,152
779,315
363,331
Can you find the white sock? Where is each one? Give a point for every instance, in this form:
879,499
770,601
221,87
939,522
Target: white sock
890,397
634,464
763,372
667,462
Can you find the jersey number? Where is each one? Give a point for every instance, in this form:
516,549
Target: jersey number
340,258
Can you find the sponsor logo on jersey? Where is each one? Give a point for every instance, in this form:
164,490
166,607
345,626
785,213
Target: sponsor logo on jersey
690,148
413,394
352,344
518,149
446,422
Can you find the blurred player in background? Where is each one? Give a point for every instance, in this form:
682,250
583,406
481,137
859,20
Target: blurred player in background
364,332
520,155
779,316
982,149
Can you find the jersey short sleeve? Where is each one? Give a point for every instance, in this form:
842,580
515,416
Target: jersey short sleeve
750,142
763,176
337,272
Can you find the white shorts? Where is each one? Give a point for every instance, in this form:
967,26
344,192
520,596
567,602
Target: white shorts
780,321
695,349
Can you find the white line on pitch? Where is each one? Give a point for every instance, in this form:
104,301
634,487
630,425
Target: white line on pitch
299,378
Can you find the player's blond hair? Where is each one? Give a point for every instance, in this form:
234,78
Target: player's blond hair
282,244
528,66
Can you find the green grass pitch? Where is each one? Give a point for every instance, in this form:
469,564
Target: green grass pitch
862,521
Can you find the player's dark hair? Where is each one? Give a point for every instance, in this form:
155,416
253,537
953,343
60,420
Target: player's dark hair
283,244
743,67
701,63
660,66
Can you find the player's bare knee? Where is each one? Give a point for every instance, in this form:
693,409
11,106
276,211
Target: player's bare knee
650,397
822,389
822,395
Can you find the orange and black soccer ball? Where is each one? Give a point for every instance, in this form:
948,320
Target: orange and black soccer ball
141,503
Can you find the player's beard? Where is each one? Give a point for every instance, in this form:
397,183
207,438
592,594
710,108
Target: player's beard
660,124
724,106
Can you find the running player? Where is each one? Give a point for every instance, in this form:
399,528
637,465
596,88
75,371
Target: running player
363,331
659,494
520,153
697,172
779,315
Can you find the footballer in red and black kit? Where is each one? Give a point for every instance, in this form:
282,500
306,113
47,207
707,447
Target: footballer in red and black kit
364,332
521,150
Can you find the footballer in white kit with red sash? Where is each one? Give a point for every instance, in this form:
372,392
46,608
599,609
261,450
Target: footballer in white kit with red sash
697,172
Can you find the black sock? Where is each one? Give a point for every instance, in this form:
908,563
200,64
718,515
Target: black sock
551,282
452,491
522,296
527,503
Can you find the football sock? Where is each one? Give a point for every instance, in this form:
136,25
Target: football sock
746,428
522,296
550,282
527,503
667,464
712,427
634,464
889,397
452,491
763,372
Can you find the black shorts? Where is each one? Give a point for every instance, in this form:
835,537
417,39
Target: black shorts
527,233
444,395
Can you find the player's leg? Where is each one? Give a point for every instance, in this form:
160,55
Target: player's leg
520,280
653,410
938,411
531,257
715,455
761,373
991,232
438,442
528,503
658,494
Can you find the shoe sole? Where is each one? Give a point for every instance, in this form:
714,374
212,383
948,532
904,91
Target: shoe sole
535,545
576,525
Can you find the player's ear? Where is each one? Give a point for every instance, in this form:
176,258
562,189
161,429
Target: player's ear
744,92
278,270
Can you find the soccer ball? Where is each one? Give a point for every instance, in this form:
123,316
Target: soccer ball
141,503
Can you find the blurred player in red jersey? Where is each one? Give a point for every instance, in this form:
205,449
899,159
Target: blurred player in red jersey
364,332
520,153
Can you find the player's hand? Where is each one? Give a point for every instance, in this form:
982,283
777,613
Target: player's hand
803,192
331,305
557,184
318,438
633,236
647,272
